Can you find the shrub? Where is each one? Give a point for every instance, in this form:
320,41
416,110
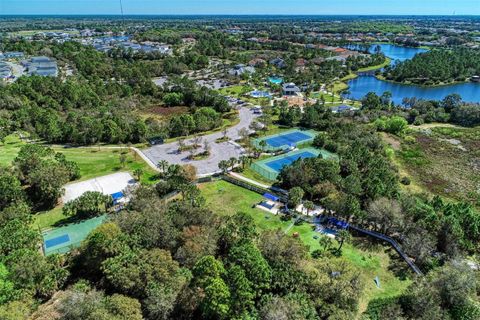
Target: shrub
90,204
406,181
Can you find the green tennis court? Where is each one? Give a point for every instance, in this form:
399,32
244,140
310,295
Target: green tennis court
271,167
63,239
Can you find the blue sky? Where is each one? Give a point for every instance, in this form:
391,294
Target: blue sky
400,7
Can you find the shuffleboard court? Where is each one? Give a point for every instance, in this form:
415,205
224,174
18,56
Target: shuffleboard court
65,238
285,140
57,241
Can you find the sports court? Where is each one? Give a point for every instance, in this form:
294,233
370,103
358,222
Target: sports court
62,240
285,140
271,167
110,184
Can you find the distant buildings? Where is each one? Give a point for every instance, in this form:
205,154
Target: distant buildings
42,66
5,71
105,44
13,55
343,108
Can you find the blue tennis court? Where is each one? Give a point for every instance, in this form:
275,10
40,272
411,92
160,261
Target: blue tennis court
57,240
287,139
278,164
271,167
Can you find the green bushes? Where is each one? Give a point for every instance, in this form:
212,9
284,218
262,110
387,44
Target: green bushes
395,125
90,204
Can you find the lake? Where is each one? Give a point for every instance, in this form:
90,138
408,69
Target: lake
364,84
397,53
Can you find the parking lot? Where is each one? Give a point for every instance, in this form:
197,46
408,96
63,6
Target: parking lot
218,151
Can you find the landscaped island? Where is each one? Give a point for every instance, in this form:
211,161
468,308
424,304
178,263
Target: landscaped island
436,67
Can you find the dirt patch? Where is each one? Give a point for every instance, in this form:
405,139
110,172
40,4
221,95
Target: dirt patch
392,141
167,111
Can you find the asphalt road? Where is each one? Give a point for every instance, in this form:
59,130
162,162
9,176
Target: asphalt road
218,151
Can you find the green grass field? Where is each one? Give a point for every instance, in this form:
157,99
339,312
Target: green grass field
93,162
371,260
327,97
380,66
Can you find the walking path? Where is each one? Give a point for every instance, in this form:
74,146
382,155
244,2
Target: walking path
239,176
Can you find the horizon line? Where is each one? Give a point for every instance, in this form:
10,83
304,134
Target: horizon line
241,15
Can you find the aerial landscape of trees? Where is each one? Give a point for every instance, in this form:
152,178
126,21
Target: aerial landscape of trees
436,67
185,246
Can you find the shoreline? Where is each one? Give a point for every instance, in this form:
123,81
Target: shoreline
381,78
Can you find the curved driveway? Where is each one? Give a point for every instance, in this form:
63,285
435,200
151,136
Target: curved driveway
218,151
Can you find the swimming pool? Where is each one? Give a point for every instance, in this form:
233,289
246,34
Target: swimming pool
260,94
275,80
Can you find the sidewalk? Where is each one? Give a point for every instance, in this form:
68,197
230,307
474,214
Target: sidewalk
256,183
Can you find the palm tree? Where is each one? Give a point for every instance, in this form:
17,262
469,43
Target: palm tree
343,236
262,144
325,242
163,165
223,165
232,161
244,161
309,205
138,173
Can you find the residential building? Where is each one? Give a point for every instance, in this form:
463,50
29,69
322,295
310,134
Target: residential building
5,71
42,66
279,63
240,69
13,55
290,89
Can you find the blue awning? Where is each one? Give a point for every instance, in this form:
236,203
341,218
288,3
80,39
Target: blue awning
271,197
117,196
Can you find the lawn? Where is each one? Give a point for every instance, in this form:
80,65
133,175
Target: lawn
47,219
9,149
380,66
327,97
371,260
248,172
233,90
93,162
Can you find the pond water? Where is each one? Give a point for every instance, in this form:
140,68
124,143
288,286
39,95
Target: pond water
364,84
